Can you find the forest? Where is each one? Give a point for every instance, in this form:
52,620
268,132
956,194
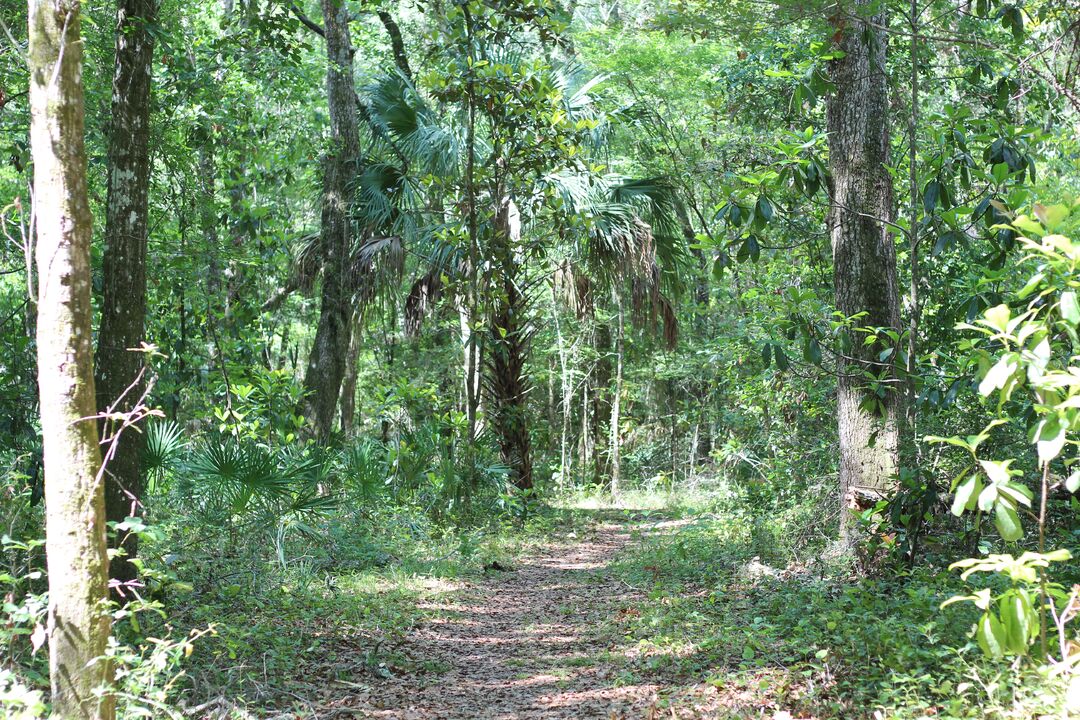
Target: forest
516,359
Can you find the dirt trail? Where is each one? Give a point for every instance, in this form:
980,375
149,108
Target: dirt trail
522,644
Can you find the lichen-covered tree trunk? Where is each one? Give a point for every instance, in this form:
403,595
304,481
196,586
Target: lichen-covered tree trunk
123,307
74,497
864,257
326,363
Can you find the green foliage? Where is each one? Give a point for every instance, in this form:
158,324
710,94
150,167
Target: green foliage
786,630
1026,364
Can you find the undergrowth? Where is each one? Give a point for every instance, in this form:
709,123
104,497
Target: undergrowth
734,605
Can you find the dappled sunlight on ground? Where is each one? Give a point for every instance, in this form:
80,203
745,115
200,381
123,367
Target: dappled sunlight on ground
528,643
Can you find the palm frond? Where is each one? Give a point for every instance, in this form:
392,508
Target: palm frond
401,115
165,443
233,475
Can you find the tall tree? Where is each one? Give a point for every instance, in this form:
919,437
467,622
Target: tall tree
119,369
326,363
864,257
74,497
508,342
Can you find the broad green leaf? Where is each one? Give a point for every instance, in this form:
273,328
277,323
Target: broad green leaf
990,635
1028,226
782,362
997,470
999,375
930,196
997,317
1051,434
1073,481
1016,620
1033,283
964,494
764,208
1007,522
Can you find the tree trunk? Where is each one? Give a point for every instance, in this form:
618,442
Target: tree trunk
509,343
119,381
586,437
348,384
616,443
470,368
864,257
326,363
601,399
566,396
74,495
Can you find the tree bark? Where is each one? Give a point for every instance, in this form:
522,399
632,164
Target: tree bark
864,257
326,363
509,343
74,495
397,44
348,383
123,308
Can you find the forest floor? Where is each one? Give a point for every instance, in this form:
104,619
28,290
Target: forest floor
609,613
529,640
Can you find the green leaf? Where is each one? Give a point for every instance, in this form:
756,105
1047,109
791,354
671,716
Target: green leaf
782,362
1007,522
997,470
1033,284
764,208
1016,620
990,635
997,317
1028,226
965,492
753,247
930,196
998,376
766,354
1051,216
1070,307
1051,437
944,242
